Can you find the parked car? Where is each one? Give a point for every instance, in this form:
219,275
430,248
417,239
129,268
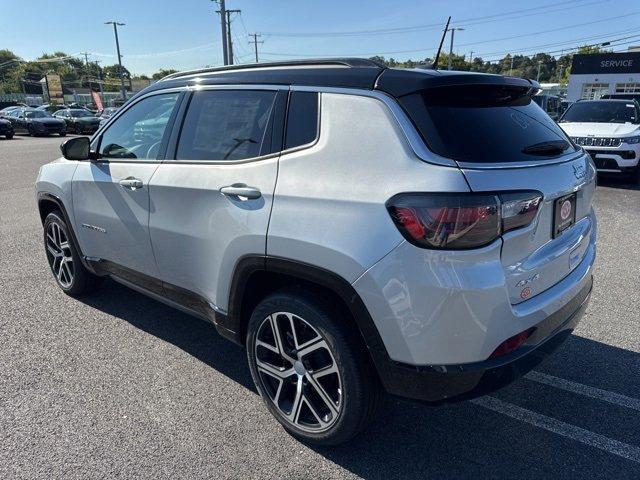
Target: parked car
5,111
338,220
79,120
549,103
621,96
6,129
35,122
106,114
51,108
609,130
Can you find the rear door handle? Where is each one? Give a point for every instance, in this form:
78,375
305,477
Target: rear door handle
131,183
241,191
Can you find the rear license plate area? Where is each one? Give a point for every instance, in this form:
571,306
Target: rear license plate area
564,213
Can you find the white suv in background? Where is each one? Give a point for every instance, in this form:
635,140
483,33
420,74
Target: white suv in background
609,130
355,227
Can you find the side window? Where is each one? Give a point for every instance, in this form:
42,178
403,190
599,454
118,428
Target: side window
137,133
302,119
225,124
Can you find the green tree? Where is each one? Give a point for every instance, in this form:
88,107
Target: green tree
163,72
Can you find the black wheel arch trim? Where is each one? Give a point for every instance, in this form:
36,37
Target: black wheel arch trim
248,265
49,197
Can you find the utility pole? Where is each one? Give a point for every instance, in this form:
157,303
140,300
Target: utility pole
100,80
86,67
223,28
538,76
255,43
453,31
123,92
471,57
229,41
511,68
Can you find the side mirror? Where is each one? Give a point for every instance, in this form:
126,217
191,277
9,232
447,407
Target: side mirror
77,148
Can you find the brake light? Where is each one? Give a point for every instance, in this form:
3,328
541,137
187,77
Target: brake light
461,220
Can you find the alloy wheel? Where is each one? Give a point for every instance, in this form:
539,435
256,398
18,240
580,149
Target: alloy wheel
60,257
298,372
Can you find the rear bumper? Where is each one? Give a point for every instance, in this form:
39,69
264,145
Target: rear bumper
447,383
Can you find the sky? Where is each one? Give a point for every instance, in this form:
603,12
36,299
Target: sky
185,34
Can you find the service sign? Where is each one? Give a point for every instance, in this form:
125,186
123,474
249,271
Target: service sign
96,99
54,87
627,62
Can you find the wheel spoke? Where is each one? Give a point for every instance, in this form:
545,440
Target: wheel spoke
260,343
312,347
279,340
315,413
294,414
324,371
53,251
324,396
280,373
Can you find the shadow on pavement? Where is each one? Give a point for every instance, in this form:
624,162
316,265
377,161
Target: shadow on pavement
461,440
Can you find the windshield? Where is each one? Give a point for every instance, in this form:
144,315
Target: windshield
601,112
485,124
80,113
37,114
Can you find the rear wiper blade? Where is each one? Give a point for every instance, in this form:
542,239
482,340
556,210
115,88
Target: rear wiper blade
546,148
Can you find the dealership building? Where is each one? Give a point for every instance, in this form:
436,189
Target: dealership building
594,75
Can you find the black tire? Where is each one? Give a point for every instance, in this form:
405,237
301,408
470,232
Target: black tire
634,177
63,134
31,132
77,129
9,136
82,280
360,390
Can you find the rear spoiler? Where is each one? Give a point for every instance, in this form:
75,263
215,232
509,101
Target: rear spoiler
399,82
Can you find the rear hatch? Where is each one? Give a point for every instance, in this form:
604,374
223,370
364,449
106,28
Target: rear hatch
504,142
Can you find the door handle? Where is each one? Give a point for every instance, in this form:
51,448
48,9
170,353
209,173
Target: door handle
242,191
131,183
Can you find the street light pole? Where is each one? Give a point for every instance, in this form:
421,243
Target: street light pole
453,31
123,92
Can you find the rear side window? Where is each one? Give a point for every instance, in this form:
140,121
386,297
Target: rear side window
485,124
302,119
225,124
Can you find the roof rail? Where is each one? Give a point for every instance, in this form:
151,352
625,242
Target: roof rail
343,62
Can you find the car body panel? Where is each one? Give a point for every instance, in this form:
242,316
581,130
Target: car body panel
330,209
199,234
112,222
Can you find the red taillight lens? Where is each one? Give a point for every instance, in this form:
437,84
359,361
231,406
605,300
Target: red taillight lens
519,209
461,220
510,344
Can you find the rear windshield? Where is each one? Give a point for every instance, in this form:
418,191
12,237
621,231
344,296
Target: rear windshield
602,112
485,124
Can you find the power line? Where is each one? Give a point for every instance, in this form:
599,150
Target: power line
432,26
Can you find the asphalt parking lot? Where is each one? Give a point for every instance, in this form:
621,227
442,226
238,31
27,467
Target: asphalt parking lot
118,385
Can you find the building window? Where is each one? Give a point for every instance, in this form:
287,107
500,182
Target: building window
592,91
628,88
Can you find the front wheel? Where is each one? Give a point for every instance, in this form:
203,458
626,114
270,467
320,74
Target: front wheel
313,373
65,262
9,136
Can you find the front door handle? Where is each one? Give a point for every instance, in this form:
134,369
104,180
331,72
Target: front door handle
242,191
131,183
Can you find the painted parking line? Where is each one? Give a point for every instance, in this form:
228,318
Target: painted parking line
567,430
587,391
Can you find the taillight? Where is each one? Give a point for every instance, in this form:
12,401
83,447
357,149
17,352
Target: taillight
461,220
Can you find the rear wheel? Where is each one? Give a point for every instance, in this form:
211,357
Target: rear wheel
9,136
65,263
313,374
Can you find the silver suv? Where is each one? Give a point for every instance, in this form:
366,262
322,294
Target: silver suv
358,228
